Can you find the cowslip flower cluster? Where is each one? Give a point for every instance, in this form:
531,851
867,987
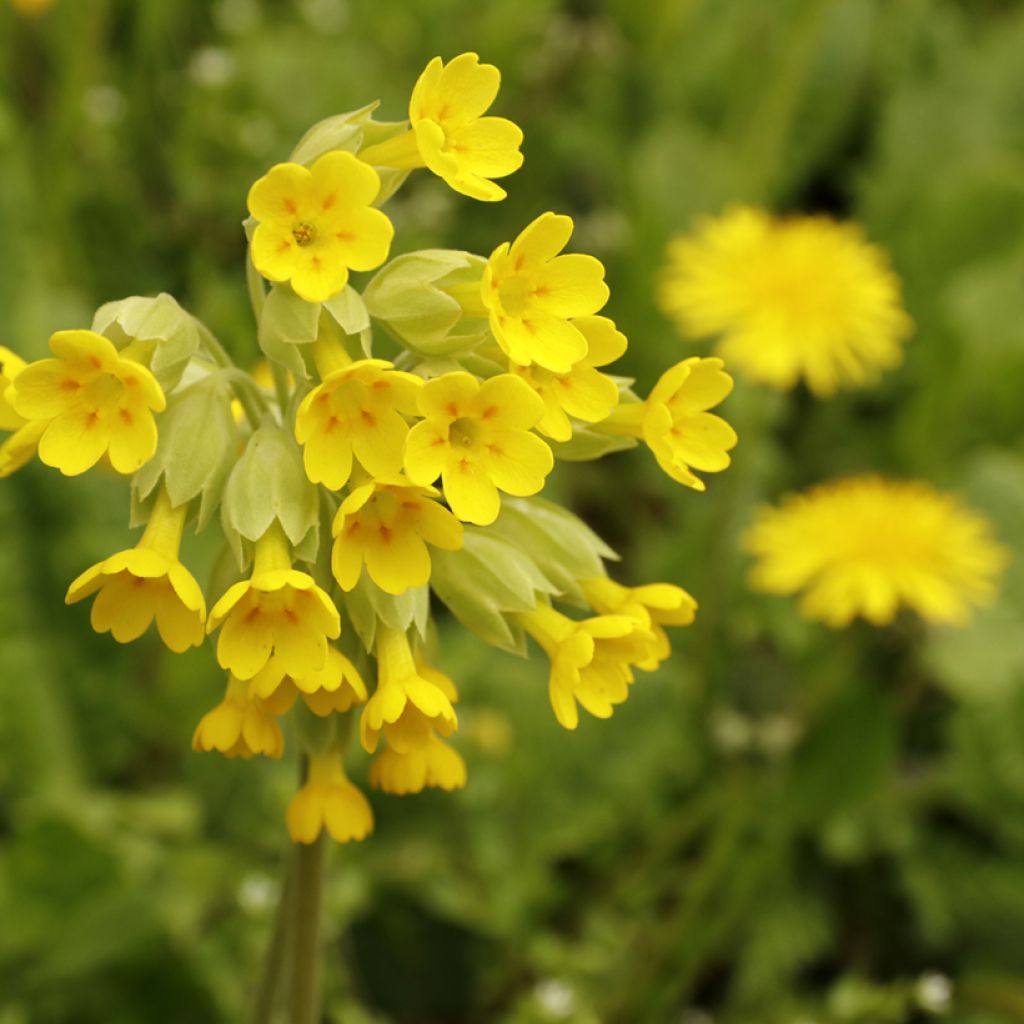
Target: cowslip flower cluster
350,487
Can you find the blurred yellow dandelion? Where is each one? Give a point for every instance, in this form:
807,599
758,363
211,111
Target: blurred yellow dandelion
867,546
790,298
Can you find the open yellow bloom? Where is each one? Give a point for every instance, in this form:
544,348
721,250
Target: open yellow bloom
409,704
867,546
387,525
336,674
532,294
279,616
584,392
241,725
477,438
11,364
675,422
147,582
336,690
357,410
592,661
449,133
316,223
328,799
92,402
17,449
435,765
653,605
789,297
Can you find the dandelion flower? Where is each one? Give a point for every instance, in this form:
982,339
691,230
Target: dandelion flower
790,298
867,546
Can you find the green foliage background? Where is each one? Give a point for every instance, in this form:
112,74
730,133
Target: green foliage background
785,825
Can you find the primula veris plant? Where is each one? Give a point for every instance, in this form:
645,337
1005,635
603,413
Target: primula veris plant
350,485
790,299
868,546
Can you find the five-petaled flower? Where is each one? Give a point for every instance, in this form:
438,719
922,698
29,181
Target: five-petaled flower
90,401
532,295
241,725
147,582
387,524
592,660
477,438
314,224
328,800
279,616
448,132
358,410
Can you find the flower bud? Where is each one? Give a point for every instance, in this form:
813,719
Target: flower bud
431,300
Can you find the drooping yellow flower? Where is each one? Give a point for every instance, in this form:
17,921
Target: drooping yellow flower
435,765
675,422
350,690
17,449
357,410
867,546
337,674
449,133
592,660
277,616
241,725
316,223
147,582
532,294
789,297
584,392
653,605
91,401
477,438
409,704
387,525
328,800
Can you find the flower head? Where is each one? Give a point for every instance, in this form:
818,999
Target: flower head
436,764
328,799
410,702
592,661
387,525
241,725
583,393
147,582
654,606
477,438
790,298
357,410
314,224
279,615
866,546
89,401
11,364
532,295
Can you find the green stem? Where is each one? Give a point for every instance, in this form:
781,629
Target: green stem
254,283
274,958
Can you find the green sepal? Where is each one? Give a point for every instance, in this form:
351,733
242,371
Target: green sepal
484,581
407,295
269,482
587,444
287,321
158,331
348,310
564,548
352,131
367,605
197,444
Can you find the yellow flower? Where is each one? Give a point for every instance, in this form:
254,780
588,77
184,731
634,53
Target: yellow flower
356,411
675,423
277,616
653,605
591,661
584,392
328,799
790,298
410,702
477,438
448,133
147,582
17,449
434,765
241,725
337,675
91,401
349,691
11,364
867,546
532,293
387,525
316,223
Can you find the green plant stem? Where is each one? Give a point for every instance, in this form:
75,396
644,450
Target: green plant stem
274,959
254,283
